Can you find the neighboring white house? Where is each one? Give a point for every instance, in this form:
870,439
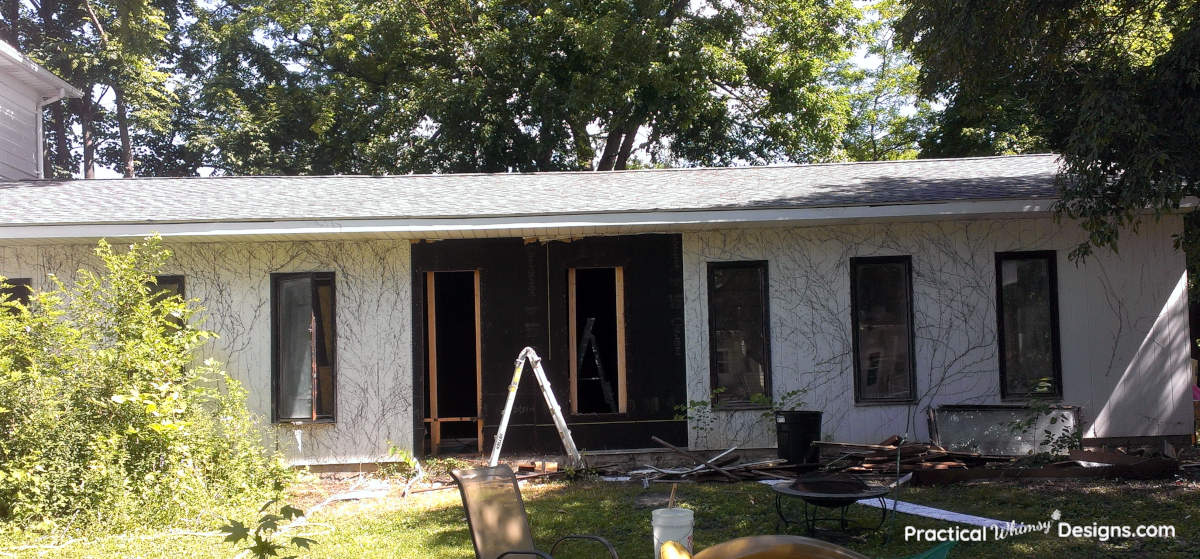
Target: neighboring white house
25,88
367,311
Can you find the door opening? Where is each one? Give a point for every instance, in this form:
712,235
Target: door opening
596,307
453,401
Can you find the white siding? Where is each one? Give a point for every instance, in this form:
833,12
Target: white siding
1123,325
19,149
233,283
1122,319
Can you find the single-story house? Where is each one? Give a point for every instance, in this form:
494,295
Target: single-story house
362,312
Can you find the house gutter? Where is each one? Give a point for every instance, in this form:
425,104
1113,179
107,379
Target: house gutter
528,225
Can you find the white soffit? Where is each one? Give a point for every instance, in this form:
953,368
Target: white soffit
16,65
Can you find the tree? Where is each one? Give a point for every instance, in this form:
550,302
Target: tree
993,123
343,86
1114,86
110,49
887,118
132,38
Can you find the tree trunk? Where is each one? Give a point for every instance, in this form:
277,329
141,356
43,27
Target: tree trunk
631,130
619,144
62,146
89,136
584,152
612,145
123,128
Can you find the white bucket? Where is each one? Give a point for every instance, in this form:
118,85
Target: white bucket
671,525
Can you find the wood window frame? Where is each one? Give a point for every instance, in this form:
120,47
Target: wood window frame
765,293
275,357
1051,257
855,262
622,387
434,421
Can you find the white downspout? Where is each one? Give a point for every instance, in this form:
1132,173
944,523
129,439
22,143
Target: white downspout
40,153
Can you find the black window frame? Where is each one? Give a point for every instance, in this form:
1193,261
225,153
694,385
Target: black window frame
1051,258
855,262
765,291
17,283
276,278
159,292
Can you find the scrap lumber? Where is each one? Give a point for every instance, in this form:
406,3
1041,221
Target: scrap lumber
891,441
699,467
773,475
1150,468
695,458
856,447
1105,457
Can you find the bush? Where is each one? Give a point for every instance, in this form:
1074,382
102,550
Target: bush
105,418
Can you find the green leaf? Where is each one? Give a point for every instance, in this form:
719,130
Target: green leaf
289,512
236,531
269,523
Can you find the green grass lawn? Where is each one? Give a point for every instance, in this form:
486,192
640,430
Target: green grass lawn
431,525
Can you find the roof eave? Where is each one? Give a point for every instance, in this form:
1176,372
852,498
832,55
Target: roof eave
53,88
527,225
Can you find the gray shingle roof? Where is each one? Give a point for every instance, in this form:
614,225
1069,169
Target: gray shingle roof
160,200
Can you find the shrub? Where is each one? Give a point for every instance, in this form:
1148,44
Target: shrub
105,418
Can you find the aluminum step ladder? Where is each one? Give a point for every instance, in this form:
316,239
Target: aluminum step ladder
564,433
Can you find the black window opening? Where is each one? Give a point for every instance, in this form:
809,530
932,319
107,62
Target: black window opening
1027,324
168,285
597,329
738,334
303,337
881,310
19,290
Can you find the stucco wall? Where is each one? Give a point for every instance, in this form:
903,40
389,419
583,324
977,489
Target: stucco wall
232,281
1123,324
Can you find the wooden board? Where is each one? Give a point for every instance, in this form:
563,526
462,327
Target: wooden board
478,364
573,332
1151,468
622,393
435,430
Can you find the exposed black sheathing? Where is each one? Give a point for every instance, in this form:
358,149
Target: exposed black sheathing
524,302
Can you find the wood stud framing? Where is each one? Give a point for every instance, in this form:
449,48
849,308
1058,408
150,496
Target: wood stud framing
573,332
435,422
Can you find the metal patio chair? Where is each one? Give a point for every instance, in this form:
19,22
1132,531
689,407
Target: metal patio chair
496,516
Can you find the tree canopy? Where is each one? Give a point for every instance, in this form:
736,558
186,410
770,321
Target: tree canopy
355,86
1114,86
352,86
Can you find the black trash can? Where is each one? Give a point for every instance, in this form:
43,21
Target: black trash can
795,431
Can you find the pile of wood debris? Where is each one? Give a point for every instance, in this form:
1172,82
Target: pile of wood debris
891,456
929,464
932,464
725,466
